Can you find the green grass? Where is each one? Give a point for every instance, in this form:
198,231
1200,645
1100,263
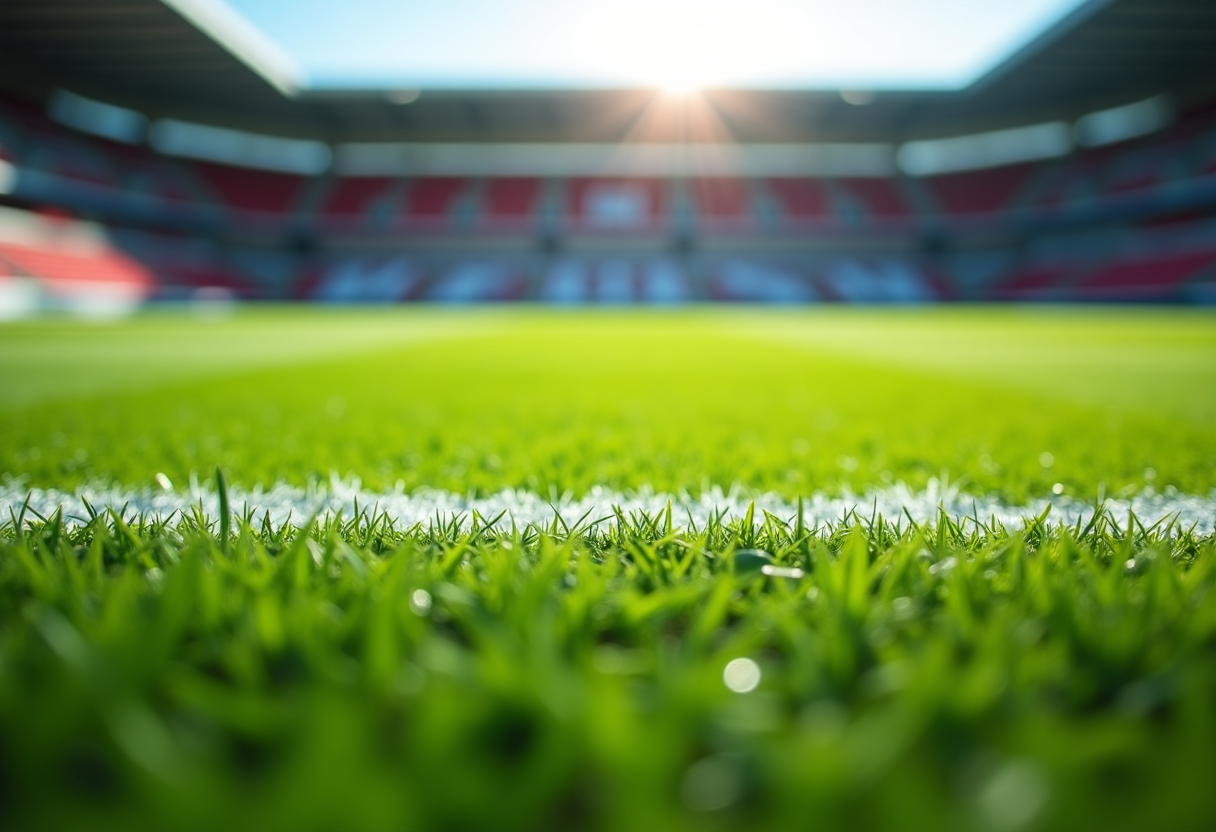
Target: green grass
353,674
791,402
916,678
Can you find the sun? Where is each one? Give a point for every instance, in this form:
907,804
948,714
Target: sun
677,77
679,87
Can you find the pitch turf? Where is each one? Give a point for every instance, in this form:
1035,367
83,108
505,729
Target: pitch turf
361,672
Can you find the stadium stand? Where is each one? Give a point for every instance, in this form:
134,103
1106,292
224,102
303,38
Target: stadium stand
877,199
979,192
511,200
856,280
433,198
615,203
365,280
167,227
615,281
478,281
65,271
758,282
800,198
352,198
258,191
1156,277
721,200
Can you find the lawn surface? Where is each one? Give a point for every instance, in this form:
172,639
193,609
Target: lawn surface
358,673
788,401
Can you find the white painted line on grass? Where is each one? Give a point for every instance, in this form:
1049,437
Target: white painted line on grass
897,502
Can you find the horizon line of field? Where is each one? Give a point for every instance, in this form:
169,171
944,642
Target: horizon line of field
284,504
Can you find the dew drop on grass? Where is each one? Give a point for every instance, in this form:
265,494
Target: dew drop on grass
420,602
741,675
164,482
943,566
791,572
1057,489
1046,459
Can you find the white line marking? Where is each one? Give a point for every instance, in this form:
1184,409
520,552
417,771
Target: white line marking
284,502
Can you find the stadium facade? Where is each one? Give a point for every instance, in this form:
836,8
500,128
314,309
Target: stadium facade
150,150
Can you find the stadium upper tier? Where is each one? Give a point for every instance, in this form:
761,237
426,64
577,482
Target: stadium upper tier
1129,220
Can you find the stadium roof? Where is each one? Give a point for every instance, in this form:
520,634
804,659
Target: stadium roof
677,45
180,59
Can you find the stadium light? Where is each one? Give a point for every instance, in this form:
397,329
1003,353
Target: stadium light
403,97
984,150
96,117
1121,123
858,98
237,147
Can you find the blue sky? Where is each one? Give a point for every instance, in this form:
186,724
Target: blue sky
678,44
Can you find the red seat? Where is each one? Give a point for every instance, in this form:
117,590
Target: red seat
878,197
979,191
800,198
512,198
71,270
720,198
433,197
197,276
251,190
1152,274
351,197
1032,281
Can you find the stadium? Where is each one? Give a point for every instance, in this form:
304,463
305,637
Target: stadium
670,416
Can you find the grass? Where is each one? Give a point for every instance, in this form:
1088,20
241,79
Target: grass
350,673
783,401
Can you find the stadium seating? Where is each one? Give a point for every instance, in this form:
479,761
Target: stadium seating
366,280
699,237
1146,278
191,280
615,203
750,281
1032,281
865,280
351,198
878,198
73,272
259,191
477,281
719,200
800,199
432,199
512,200
615,281
979,192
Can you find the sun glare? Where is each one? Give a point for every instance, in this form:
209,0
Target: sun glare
678,87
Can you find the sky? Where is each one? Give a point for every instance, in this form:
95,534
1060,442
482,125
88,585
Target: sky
674,44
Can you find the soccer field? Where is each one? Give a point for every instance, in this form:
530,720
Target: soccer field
1006,402
879,569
